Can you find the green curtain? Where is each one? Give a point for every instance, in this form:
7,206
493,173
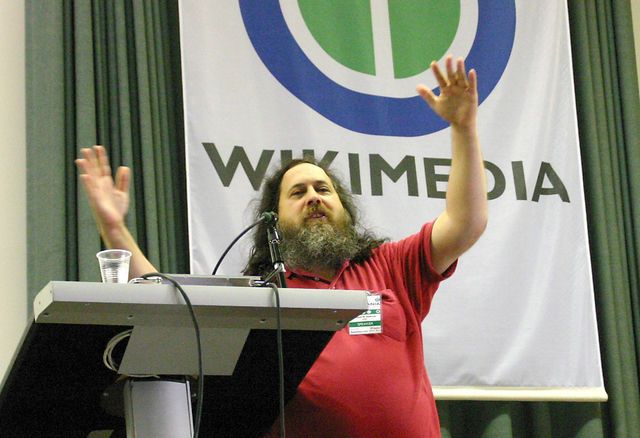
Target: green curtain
107,72
103,72
609,126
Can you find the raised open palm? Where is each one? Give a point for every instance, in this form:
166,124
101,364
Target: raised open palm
109,199
457,102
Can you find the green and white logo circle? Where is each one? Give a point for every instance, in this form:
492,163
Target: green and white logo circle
379,47
357,62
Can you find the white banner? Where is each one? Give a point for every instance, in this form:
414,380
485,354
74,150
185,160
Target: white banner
266,80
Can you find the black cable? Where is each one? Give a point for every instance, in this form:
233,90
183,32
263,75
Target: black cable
266,217
233,242
280,357
198,417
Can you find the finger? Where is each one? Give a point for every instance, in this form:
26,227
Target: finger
438,74
90,162
461,73
427,94
88,172
103,160
473,80
449,65
81,164
88,155
123,176
86,165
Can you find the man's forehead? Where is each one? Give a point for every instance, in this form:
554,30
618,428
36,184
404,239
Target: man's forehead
302,174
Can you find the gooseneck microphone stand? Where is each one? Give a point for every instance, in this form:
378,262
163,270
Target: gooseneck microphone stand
273,239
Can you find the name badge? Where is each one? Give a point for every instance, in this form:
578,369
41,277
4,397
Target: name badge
369,322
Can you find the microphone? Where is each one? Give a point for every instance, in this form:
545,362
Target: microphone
273,238
268,218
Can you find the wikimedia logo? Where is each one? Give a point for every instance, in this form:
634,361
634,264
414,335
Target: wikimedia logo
357,62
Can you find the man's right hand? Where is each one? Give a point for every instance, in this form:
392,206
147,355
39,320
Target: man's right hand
109,199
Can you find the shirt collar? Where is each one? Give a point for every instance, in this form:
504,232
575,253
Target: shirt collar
302,273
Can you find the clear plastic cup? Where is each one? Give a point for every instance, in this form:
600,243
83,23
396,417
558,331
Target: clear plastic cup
114,265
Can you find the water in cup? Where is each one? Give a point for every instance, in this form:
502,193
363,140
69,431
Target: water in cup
114,265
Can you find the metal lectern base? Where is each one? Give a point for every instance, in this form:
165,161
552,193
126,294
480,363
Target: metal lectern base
157,409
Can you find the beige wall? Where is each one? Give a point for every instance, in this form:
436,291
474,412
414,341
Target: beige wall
635,12
13,239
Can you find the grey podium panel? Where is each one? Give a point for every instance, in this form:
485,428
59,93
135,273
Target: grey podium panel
174,350
215,306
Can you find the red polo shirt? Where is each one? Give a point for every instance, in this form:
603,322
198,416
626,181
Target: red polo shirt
373,385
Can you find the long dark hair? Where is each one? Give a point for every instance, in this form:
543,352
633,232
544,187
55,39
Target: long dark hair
259,260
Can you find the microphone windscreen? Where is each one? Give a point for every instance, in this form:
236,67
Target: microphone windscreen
269,217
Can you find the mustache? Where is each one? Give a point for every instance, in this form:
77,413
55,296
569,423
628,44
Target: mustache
315,209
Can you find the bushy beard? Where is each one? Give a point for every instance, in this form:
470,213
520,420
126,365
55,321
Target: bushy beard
318,245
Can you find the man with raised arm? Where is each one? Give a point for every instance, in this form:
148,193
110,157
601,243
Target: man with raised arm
362,385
